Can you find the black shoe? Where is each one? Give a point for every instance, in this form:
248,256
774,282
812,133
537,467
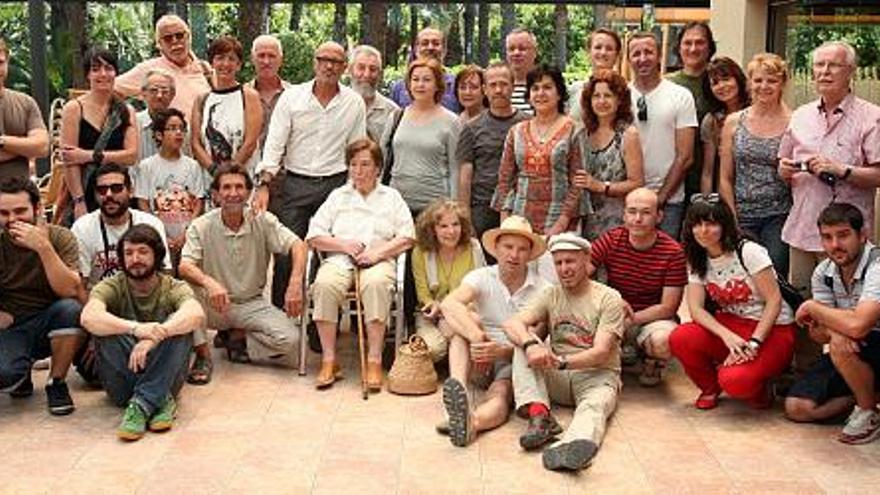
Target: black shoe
541,430
24,389
571,456
58,398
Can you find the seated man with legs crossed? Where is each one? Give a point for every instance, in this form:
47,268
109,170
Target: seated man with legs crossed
842,313
227,253
478,348
647,267
142,321
580,363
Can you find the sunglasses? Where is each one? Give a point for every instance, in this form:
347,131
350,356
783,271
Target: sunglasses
329,61
642,106
114,188
710,198
172,37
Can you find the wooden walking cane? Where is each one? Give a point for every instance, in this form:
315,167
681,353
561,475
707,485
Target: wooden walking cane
362,348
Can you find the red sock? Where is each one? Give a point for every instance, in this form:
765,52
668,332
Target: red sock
538,409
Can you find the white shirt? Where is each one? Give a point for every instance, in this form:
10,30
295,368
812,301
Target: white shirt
495,304
97,261
378,117
315,135
670,107
380,216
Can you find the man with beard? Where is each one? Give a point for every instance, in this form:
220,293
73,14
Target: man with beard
23,134
843,313
365,67
233,291
39,283
430,43
99,231
577,365
142,321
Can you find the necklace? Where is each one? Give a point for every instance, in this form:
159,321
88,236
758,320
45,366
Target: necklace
544,134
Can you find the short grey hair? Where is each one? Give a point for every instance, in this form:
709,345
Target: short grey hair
158,71
369,50
268,39
516,31
851,56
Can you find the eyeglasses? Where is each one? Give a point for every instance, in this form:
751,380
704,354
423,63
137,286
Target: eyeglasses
172,128
114,188
710,198
172,37
329,61
642,106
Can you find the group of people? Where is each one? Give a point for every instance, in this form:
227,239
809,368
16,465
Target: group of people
515,195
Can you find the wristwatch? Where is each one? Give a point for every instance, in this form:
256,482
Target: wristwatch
98,157
754,343
842,177
607,187
263,179
529,343
563,363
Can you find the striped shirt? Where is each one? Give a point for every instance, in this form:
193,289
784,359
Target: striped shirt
519,101
640,276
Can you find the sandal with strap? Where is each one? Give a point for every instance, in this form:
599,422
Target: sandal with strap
236,351
707,401
200,372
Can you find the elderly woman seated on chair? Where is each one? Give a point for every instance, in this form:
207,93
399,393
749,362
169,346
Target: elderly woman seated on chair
361,227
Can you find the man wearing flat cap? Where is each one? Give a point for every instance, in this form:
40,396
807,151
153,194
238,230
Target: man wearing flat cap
479,351
575,362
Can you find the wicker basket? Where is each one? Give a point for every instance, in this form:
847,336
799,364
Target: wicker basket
413,370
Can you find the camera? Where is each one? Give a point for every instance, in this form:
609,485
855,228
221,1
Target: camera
802,166
828,178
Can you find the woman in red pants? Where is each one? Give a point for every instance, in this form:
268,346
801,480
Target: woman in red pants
749,338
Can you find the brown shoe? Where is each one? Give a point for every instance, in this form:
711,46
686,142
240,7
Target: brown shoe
374,377
330,372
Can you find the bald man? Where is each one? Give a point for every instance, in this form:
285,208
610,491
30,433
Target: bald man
174,40
647,267
430,43
311,126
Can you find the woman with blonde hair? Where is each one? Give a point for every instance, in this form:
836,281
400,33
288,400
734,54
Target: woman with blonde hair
603,47
748,181
445,252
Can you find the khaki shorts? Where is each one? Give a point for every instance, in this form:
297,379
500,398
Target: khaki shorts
640,334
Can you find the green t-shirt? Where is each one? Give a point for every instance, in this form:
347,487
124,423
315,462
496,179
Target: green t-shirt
157,306
694,84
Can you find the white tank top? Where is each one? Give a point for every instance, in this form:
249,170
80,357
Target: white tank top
224,112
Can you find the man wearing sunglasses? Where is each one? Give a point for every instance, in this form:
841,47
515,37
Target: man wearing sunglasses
667,123
174,41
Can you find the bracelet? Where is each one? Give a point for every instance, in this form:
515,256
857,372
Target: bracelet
529,343
607,187
98,157
755,343
563,363
847,173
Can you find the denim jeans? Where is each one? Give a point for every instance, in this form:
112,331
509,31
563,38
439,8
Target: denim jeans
768,232
28,339
162,376
673,215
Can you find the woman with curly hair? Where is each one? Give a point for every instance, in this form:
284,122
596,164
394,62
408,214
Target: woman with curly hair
749,338
611,152
445,252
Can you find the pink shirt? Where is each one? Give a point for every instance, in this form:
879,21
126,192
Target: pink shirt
851,135
189,81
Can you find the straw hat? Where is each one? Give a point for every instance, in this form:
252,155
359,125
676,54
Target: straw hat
514,225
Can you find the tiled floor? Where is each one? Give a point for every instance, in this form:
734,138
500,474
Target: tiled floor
266,430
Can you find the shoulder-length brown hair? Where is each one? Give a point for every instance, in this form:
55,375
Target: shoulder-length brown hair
617,84
426,237
436,69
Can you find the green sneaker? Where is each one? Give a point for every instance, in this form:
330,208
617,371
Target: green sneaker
134,423
164,417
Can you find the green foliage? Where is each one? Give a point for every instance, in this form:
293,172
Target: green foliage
126,29
13,25
803,38
298,50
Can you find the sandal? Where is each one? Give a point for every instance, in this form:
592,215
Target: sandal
200,372
707,401
236,351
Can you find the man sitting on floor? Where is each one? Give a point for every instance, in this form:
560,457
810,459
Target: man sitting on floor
495,293
579,366
647,267
142,321
842,313
227,253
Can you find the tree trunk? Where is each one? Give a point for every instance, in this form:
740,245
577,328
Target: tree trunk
483,37
199,26
251,19
561,24
296,12
375,16
339,16
160,8
392,38
453,37
600,16
181,8
413,30
68,25
508,23
470,14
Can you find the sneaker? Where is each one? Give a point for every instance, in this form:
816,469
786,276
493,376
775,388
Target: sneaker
862,426
461,421
571,456
58,398
24,389
134,423
163,419
541,430
629,355
652,372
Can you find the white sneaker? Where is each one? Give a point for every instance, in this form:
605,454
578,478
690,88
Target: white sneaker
862,426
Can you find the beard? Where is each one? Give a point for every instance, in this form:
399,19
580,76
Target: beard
139,271
366,90
120,210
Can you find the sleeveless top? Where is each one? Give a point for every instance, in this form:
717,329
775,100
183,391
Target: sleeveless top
605,164
759,191
88,137
223,122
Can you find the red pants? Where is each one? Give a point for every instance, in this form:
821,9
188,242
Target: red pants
701,353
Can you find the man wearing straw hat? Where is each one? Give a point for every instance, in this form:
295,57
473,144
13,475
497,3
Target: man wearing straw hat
475,311
577,364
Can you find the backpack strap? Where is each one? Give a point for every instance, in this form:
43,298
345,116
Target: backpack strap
477,253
